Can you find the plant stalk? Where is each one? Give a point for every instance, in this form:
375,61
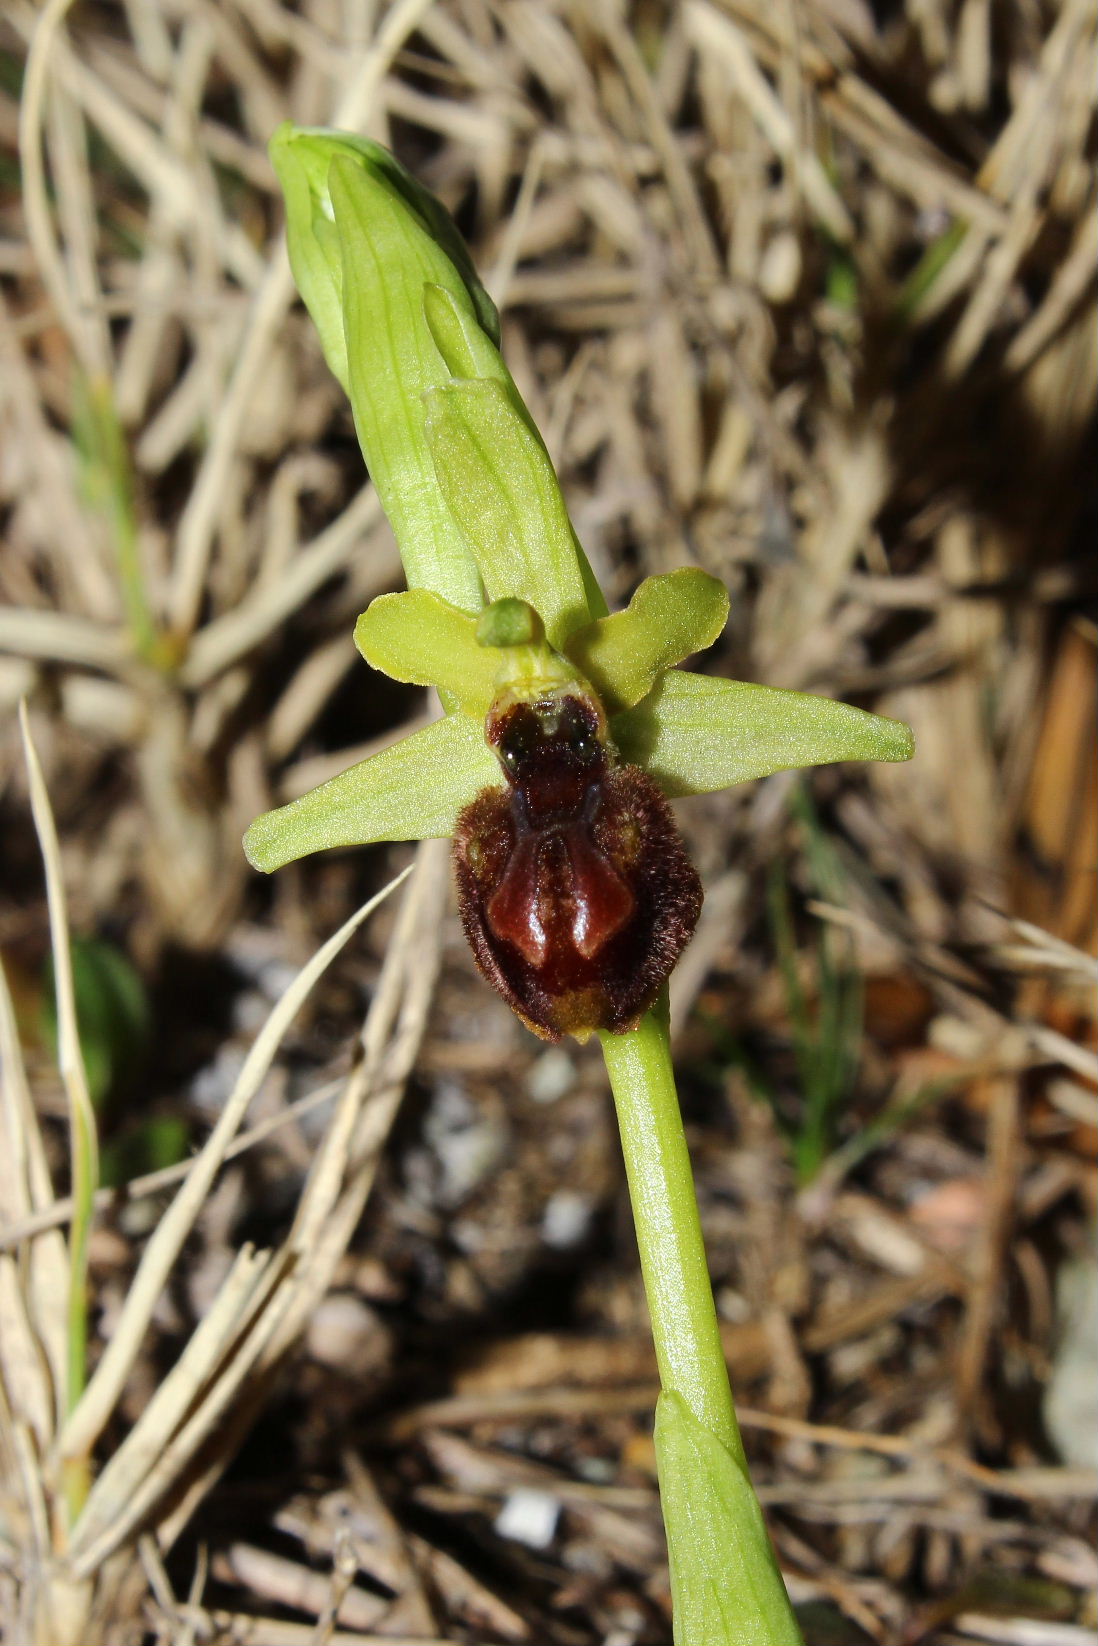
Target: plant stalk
688,1344
726,1586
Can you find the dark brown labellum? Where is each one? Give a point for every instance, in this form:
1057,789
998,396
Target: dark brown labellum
575,889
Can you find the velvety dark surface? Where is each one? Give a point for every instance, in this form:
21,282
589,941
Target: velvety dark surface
575,889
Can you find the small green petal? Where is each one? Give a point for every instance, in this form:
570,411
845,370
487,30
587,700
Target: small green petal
510,622
694,734
668,619
411,791
419,637
500,487
387,258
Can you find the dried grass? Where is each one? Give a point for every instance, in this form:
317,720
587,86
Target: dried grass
804,295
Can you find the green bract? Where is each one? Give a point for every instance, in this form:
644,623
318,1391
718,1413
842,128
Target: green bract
469,488
364,240
714,1524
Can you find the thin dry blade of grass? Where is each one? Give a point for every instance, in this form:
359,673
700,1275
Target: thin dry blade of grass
198,524
86,1422
261,1305
712,31
343,1172
63,638
140,1457
222,642
16,1230
83,1139
27,1388
33,1292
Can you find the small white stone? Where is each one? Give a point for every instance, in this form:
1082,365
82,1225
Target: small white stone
529,1516
346,1333
275,978
566,1219
780,268
551,1076
250,1011
1071,1402
467,1143
214,1081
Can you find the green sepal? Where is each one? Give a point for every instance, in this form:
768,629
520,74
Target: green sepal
420,638
411,791
668,619
714,1525
387,259
694,734
499,485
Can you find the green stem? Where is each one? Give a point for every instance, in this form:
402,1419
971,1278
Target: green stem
726,1587
689,1351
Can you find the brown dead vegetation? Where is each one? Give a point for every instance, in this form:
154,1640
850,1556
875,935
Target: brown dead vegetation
803,293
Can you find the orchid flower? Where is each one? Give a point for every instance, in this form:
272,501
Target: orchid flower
469,487
504,617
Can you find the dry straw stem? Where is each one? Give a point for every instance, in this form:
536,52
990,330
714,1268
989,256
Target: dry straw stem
83,1146
16,1230
243,1629
503,1407
275,294
68,98
266,1297
227,639
49,474
111,1512
343,1171
33,1290
713,32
